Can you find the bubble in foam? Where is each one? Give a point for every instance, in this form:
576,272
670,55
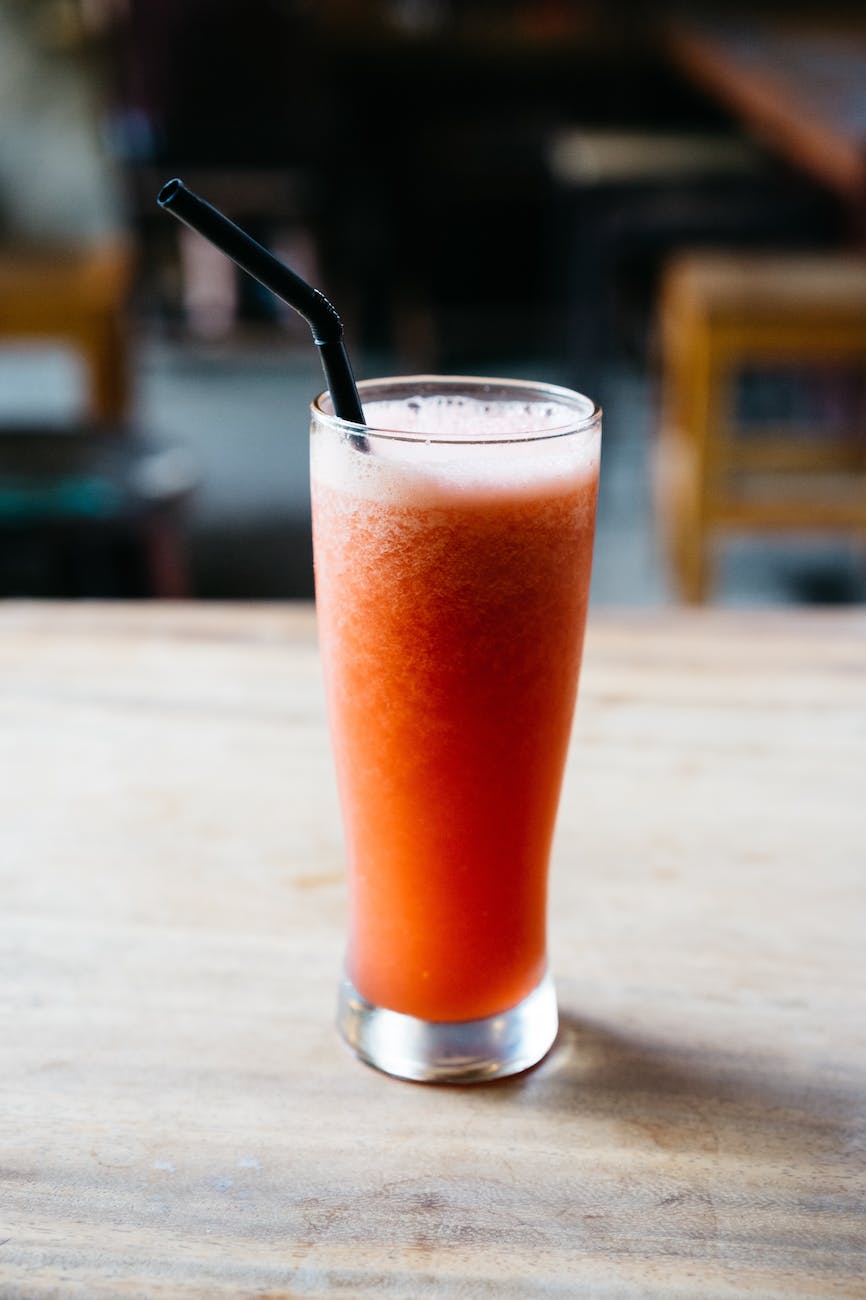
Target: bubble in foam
463,417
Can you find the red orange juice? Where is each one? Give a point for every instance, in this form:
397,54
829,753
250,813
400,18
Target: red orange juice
452,577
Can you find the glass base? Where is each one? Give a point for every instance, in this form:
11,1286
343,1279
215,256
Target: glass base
462,1051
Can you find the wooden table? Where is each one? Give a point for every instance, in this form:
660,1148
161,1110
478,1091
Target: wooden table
178,1117
800,84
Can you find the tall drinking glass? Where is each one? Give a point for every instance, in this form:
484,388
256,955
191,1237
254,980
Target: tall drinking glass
453,542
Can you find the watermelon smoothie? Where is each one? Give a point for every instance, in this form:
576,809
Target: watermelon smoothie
453,546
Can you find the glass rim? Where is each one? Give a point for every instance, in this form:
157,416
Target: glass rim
520,387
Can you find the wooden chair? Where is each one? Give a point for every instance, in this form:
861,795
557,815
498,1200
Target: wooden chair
97,502
78,299
723,315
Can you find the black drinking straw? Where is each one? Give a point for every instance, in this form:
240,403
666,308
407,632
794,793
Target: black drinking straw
319,314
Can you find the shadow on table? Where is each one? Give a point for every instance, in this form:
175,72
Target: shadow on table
664,1097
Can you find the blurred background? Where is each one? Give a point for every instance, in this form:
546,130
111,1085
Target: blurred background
664,207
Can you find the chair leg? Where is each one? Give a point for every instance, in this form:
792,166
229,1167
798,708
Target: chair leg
688,395
165,561
678,509
694,568
107,351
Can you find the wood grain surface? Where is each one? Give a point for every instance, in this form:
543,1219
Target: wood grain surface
178,1118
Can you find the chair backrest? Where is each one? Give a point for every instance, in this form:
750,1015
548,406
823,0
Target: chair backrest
78,298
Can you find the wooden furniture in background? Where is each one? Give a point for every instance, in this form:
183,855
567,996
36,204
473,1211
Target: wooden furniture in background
722,314
77,298
91,508
179,1117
